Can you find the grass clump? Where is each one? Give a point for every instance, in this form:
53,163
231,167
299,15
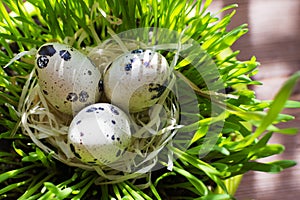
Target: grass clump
27,172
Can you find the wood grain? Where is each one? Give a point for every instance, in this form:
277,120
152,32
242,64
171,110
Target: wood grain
274,38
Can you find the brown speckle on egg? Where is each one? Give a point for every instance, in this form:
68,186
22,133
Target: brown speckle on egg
72,97
114,110
83,96
47,50
36,73
64,54
118,153
45,92
42,62
91,109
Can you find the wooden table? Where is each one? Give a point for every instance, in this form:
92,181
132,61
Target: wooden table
274,38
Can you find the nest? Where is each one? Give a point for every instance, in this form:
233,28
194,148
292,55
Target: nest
152,131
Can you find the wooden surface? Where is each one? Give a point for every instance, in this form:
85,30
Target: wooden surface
274,38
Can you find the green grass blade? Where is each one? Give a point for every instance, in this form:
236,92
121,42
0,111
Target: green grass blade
275,108
13,186
215,197
36,185
117,192
59,193
134,192
155,192
210,171
11,174
125,192
196,182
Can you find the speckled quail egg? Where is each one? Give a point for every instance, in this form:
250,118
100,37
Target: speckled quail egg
67,77
99,134
136,80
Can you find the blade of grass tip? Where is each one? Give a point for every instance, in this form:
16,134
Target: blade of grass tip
5,45
155,12
154,191
13,186
117,192
125,192
276,106
285,163
137,191
59,193
83,182
43,158
92,26
84,190
20,152
35,186
198,6
292,104
206,5
35,197
10,174
196,182
53,19
47,195
139,7
163,176
209,170
133,193
162,5
178,10
216,197
22,12
191,6
226,8
8,20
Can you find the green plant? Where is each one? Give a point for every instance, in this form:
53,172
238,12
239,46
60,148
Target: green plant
28,173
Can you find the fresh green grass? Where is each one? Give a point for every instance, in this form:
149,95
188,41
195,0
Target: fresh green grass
28,173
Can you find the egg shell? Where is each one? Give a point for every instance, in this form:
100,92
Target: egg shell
99,134
136,80
67,77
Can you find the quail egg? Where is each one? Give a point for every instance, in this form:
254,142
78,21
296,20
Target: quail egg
99,134
135,80
67,78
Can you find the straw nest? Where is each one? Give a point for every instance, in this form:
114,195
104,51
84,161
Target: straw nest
152,131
